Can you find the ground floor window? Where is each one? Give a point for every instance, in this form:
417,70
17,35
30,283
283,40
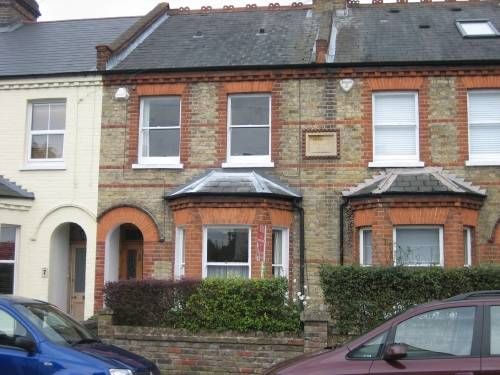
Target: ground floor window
8,245
280,253
418,246
227,252
365,246
180,254
467,247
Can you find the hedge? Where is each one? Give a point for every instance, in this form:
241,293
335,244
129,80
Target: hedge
360,298
217,304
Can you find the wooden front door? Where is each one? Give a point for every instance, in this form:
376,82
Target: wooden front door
131,260
76,287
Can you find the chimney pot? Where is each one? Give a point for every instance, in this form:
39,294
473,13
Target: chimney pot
13,12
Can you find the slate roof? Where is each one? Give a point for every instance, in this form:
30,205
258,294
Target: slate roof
234,183
9,189
414,181
372,33
224,39
57,46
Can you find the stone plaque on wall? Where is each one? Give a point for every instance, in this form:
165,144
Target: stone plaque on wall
321,143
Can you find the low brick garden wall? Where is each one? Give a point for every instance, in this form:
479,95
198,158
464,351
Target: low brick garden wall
183,352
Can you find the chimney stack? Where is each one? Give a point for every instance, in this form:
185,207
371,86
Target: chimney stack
329,5
14,12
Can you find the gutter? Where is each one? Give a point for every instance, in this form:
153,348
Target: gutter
302,250
343,204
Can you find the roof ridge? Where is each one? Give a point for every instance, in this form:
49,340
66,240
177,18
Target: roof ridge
84,19
232,9
367,182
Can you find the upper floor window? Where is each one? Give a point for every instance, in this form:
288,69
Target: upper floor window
477,28
47,121
484,127
160,132
395,129
249,129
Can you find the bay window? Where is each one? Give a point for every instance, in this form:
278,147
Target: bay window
365,247
227,252
280,253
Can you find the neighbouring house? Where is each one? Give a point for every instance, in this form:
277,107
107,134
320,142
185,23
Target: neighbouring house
50,100
265,141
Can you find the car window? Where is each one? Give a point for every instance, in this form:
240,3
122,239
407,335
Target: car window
438,333
495,330
370,349
10,329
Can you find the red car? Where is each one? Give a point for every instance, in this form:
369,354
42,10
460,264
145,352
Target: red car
457,336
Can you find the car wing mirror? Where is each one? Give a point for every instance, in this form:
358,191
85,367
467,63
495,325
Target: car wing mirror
395,351
25,343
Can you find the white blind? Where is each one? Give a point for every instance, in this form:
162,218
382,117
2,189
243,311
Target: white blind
395,125
484,124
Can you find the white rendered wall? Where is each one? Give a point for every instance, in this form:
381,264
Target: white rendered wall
61,196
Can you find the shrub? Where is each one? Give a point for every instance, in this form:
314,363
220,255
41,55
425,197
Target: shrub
218,304
360,298
148,302
242,305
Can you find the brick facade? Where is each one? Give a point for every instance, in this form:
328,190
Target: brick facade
303,99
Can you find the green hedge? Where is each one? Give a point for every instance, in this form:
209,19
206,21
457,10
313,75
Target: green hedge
216,304
360,298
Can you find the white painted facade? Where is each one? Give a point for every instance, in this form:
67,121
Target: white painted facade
64,195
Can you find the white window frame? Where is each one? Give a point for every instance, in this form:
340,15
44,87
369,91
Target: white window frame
468,243
396,160
250,160
14,262
168,162
180,253
441,244
361,246
285,243
484,159
44,163
494,32
205,263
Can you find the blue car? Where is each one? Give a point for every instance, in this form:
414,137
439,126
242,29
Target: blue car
36,338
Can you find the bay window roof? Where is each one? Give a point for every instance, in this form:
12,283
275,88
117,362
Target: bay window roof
9,189
414,181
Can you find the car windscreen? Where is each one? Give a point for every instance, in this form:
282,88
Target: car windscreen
55,325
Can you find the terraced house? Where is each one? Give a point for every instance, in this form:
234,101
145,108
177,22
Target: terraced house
263,142
50,100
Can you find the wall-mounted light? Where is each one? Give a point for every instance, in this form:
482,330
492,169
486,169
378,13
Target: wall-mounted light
346,84
122,94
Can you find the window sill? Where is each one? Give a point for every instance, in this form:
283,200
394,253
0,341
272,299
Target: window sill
43,167
157,166
484,163
268,164
395,164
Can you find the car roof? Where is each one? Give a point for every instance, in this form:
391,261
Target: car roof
9,300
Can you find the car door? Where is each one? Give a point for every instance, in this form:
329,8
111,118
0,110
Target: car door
13,359
490,360
442,341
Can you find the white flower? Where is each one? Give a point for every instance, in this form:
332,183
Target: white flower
301,298
294,280
305,287
305,303
308,298
295,300
298,293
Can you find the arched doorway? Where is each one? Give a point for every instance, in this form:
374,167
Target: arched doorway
124,253
67,269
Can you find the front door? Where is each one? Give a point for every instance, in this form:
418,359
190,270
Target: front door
131,260
77,282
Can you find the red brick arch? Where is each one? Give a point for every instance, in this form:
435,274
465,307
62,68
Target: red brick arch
127,215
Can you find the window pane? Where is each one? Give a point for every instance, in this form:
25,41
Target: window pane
7,242
370,349
6,278
495,330
56,143
485,139
484,107
40,117
161,143
249,110
395,140
57,116
477,28
227,245
396,109
227,271
467,247
367,247
277,246
163,111
439,333
80,258
39,147
249,141
417,246
10,328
